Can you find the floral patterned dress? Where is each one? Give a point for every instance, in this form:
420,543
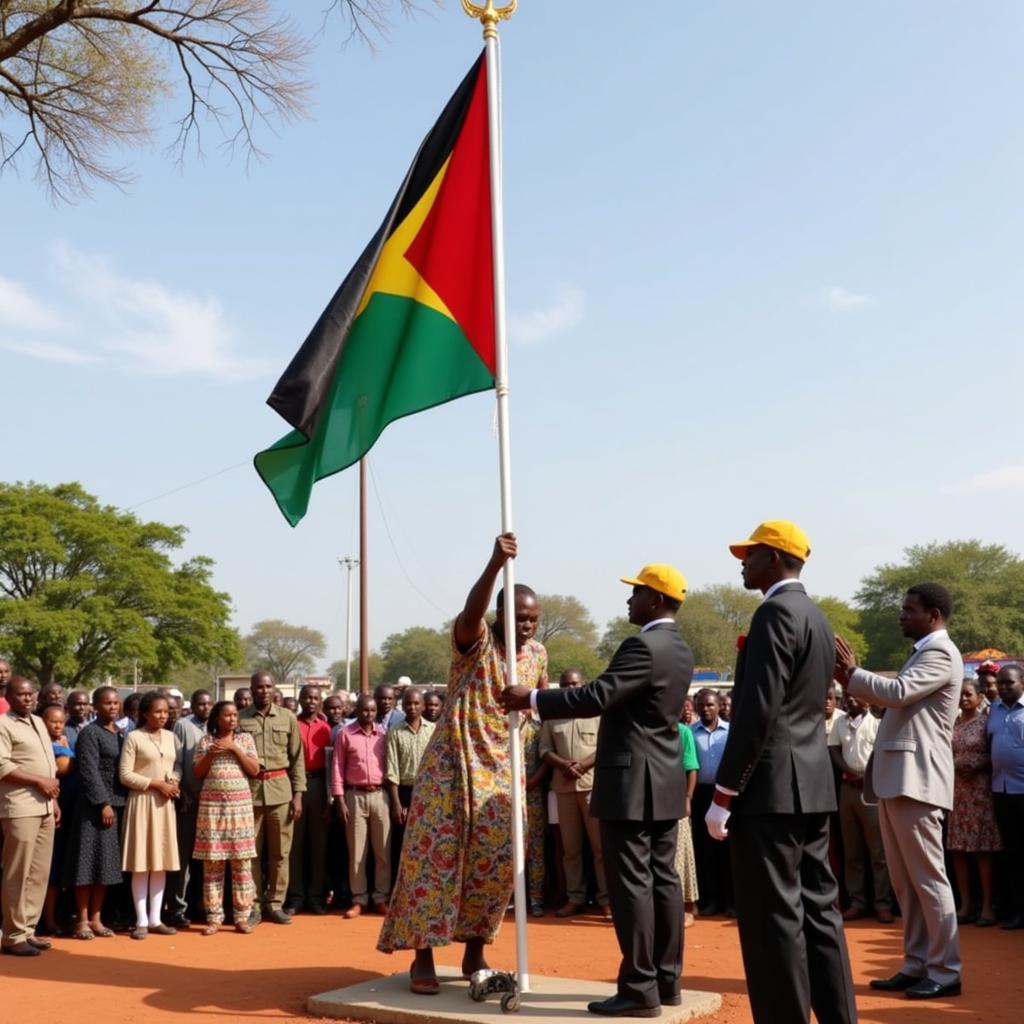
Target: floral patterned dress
224,821
972,822
455,876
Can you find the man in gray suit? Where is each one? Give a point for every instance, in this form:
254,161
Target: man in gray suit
911,774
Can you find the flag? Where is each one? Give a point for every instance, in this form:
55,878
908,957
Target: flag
412,325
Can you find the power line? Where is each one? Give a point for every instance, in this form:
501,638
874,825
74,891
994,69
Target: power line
185,487
394,548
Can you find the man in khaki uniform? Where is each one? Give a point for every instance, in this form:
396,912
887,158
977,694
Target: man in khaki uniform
570,746
28,815
276,792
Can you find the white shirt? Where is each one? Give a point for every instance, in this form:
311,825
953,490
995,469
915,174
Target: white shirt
775,586
855,737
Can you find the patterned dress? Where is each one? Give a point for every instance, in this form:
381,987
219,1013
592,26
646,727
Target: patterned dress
224,824
455,876
972,822
536,816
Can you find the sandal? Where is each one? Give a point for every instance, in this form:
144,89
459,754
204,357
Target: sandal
101,931
211,929
423,986
984,922
84,932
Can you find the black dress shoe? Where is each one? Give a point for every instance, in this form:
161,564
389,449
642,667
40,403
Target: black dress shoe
20,949
1015,924
277,917
317,907
928,989
897,983
671,998
616,1006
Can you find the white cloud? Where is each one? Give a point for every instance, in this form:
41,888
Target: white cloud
19,309
48,351
562,314
139,324
1007,478
843,300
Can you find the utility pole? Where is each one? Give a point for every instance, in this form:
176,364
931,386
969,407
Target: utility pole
349,563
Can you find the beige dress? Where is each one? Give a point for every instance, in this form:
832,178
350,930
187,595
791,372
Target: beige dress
149,840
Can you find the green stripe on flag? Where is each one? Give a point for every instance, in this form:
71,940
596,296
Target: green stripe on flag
401,357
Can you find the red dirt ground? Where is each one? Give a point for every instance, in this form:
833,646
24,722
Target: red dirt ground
231,978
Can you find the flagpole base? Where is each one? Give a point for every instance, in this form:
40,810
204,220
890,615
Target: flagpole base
486,983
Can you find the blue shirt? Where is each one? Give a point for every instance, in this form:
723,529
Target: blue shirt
710,747
1006,733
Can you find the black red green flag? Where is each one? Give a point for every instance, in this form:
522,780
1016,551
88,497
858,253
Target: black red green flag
412,325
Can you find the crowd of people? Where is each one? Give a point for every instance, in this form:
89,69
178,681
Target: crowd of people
126,814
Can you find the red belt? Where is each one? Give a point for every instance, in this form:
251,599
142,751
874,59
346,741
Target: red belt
364,789
275,773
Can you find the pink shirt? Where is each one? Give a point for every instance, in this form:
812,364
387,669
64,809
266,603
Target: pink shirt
359,758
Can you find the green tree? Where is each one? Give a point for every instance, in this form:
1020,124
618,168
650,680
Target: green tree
845,621
422,653
565,615
287,652
711,636
565,651
710,620
733,604
86,589
617,630
374,665
80,77
985,580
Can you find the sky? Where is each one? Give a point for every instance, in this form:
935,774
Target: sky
763,261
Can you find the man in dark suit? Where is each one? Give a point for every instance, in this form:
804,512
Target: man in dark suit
638,794
775,780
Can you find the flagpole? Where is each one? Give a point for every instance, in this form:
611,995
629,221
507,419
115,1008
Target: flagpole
364,611
489,16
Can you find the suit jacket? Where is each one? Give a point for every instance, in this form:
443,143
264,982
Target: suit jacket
913,753
639,697
776,758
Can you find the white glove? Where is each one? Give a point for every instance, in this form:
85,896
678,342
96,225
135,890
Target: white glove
715,819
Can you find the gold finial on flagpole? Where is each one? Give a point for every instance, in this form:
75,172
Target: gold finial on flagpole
490,15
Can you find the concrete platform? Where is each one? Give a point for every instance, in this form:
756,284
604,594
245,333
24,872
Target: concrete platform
389,1001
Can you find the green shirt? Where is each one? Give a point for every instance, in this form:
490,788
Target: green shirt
278,746
690,762
405,751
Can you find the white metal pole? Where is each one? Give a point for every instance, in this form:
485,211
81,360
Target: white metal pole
505,470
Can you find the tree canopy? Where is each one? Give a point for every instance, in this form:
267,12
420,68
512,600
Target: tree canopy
287,652
79,78
985,580
562,615
421,653
86,589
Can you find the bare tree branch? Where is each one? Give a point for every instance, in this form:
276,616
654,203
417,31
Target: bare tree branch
79,78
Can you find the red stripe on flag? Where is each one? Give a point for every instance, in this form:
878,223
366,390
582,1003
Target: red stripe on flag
453,249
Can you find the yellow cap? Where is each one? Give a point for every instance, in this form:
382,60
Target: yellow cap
665,579
776,533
